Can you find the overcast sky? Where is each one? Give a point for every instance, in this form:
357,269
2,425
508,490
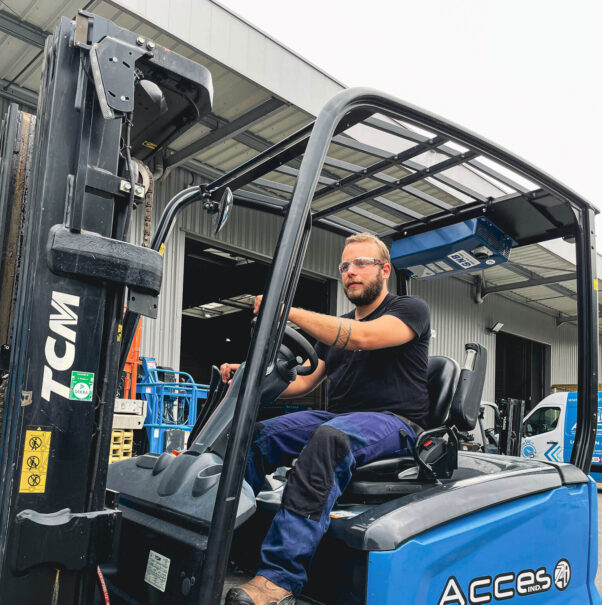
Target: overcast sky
525,74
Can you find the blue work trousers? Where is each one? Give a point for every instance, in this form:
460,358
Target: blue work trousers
328,447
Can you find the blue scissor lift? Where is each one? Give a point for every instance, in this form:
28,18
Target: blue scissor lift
172,399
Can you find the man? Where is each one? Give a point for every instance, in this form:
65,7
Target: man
376,360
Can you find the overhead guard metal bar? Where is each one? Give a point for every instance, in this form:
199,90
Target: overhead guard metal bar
407,180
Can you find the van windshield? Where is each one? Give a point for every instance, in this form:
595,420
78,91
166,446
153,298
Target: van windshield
541,421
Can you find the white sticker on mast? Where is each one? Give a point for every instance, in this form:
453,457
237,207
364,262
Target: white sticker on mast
157,570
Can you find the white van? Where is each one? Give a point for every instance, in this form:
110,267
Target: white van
549,431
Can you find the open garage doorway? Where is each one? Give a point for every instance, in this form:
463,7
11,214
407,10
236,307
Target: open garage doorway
219,290
522,369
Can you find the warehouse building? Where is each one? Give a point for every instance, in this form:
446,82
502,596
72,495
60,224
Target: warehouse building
523,311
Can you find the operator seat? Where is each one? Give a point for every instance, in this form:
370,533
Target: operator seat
454,397
442,378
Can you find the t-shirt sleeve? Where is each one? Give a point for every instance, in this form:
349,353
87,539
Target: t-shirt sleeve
321,350
413,311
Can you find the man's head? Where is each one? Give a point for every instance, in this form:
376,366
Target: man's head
365,268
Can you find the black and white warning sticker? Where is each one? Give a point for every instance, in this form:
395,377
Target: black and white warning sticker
157,570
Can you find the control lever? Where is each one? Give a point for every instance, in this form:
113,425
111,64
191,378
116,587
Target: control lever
435,456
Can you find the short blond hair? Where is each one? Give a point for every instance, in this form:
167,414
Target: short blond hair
383,251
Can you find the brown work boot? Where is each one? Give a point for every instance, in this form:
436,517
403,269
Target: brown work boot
260,591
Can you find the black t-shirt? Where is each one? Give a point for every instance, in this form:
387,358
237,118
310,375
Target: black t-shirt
383,380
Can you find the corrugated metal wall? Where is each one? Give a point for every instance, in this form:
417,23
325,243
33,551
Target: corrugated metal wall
257,232
161,337
456,319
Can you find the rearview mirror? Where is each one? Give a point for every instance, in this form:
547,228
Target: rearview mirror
223,213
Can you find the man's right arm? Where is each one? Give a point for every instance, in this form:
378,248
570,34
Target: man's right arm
299,387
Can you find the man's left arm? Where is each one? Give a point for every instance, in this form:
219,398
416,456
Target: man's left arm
343,333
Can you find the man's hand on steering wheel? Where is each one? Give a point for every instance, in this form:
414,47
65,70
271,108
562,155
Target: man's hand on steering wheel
297,351
226,370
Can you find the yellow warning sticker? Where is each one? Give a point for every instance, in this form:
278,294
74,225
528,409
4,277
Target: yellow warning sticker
119,332
596,285
162,249
34,468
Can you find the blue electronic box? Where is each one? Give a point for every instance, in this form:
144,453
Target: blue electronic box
468,246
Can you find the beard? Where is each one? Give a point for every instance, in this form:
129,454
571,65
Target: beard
370,292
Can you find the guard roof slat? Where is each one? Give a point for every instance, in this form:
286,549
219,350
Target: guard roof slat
449,181
373,217
411,178
375,169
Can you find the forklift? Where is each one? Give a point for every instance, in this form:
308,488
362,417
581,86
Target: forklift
443,526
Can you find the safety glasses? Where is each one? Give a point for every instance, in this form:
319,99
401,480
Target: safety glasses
361,262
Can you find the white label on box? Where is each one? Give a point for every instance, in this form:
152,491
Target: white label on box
421,271
156,433
157,570
444,266
434,268
462,258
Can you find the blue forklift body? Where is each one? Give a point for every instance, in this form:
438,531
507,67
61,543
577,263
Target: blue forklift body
493,528
459,563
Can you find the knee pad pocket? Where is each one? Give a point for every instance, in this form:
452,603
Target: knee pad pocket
312,479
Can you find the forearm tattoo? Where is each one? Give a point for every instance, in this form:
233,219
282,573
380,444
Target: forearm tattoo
343,335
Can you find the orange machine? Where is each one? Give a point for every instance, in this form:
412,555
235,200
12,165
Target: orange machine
132,364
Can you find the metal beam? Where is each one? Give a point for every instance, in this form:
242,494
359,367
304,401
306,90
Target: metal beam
22,30
225,130
18,94
530,275
528,283
563,319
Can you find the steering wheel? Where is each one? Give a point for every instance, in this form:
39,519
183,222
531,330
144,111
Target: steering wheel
300,348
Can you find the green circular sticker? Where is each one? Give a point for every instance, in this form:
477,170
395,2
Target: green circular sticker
81,390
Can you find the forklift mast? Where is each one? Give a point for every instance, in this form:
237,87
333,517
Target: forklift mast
106,93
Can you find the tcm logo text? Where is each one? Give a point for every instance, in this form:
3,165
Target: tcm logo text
59,349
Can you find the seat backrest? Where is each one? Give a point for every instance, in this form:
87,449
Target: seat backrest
466,403
442,376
